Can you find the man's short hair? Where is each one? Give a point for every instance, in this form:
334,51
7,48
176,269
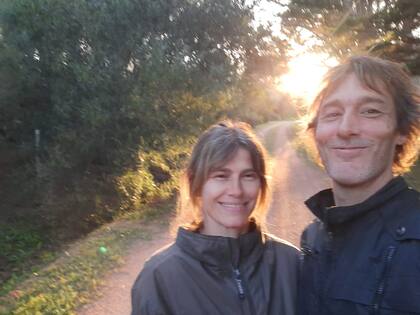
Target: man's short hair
378,74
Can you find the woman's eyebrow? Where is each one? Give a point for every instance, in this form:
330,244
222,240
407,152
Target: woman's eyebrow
249,170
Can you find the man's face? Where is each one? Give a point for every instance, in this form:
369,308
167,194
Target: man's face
356,135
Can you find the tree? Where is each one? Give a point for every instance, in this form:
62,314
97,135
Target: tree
388,28
104,80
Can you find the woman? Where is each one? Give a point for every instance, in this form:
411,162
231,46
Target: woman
221,262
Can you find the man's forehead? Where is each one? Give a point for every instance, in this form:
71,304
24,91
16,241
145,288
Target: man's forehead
372,87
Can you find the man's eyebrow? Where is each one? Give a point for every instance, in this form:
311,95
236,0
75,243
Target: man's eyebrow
370,99
362,100
330,103
219,169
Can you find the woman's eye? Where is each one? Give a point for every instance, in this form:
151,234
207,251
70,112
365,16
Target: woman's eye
219,175
250,176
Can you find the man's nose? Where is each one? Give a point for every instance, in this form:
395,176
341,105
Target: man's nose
348,125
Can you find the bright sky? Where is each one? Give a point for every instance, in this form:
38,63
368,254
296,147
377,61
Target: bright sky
304,77
267,13
306,68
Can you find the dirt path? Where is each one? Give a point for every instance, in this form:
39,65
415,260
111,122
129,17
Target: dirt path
293,182
115,294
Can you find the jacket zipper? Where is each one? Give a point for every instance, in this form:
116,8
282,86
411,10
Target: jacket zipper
381,287
326,270
239,283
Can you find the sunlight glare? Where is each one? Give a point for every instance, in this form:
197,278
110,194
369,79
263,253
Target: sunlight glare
267,13
305,75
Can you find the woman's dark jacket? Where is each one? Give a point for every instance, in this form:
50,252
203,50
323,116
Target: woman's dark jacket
199,274
363,259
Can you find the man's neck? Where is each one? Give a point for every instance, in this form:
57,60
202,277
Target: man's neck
347,195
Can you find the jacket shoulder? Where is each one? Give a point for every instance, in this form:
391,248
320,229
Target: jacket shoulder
161,259
281,248
312,235
284,256
402,216
149,294
413,198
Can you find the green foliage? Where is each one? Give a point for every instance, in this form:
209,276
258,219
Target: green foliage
18,242
22,244
104,79
155,176
68,283
118,90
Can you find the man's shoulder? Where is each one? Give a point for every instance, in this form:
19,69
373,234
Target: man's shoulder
413,197
401,216
407,203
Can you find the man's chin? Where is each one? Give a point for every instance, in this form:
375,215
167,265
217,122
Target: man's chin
346,178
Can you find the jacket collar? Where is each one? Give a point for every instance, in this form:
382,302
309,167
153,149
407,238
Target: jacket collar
220,251
322,204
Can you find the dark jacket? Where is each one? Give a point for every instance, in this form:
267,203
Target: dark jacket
198,274
363,259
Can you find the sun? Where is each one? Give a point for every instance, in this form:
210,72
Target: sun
305,74
306,68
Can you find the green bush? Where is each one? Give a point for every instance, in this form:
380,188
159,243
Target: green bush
19,242
155,176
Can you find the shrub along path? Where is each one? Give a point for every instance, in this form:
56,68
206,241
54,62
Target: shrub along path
294,180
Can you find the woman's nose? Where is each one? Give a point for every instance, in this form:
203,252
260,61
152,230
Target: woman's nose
235,187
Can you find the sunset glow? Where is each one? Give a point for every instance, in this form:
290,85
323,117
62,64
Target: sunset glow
305,75
306,68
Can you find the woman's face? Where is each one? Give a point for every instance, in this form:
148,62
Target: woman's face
229,195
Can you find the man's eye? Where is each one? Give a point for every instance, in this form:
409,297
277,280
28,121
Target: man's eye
371,112
330,115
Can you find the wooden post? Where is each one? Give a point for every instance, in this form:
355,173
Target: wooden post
37,142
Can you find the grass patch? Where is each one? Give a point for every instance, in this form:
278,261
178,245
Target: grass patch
18,242
23,245
151,211
72,279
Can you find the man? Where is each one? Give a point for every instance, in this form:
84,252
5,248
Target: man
362,253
